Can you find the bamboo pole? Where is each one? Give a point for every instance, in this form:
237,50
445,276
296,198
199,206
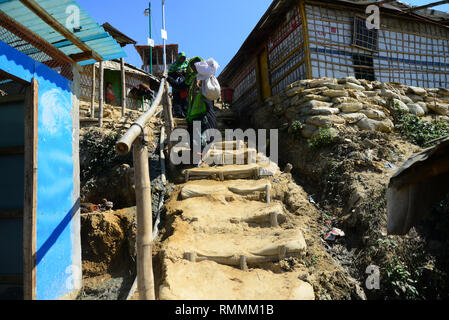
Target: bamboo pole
145,279
124,144
92,99
169,121
101,98
162,155
122,67
305,32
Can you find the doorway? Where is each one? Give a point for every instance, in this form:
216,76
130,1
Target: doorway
18,150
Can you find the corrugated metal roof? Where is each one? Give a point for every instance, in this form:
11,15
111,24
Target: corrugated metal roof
90,32
115,65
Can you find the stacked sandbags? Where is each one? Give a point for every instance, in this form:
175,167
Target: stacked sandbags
345,103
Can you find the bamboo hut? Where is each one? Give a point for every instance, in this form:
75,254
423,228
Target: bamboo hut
306,39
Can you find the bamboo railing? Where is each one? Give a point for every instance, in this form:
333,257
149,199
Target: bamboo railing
135,138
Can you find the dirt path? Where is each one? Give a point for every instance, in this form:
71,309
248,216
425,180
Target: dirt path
232,234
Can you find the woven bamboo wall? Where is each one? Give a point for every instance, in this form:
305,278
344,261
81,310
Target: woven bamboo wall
286,52
86,86
244,85
286,62
410,52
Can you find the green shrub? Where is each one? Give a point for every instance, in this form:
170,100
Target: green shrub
403,283
296,128
418,131
323,139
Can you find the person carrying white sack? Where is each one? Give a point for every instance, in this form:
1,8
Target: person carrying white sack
211,89
204,88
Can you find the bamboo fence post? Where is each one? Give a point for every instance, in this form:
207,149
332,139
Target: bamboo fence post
122,67
169,121
101,98
145,279
92,99
162,155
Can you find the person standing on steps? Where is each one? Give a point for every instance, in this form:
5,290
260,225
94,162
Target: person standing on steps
199,108
180,65
176,78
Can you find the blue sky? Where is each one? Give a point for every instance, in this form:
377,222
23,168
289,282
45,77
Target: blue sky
206,28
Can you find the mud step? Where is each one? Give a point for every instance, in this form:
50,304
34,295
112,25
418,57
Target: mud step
210,281
228,145
243,261
222,157
253,252
231,171
253,243
194,190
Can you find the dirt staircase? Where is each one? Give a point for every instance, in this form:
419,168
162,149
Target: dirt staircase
226,232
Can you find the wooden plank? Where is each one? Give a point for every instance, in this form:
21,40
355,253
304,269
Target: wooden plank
380,2
264,75
15,279
30,192
90,120
82,56
11,151
94,120
57,26
11,214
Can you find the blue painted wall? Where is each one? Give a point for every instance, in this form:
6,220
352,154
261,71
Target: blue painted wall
56,204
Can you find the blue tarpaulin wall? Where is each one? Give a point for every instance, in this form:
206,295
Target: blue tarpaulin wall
58,246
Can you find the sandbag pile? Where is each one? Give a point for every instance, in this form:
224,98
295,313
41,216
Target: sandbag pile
359,104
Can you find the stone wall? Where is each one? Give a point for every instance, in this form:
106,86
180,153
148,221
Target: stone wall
353,104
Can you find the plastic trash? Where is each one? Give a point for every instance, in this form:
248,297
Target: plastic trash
329,220
333,234
391,166
311,200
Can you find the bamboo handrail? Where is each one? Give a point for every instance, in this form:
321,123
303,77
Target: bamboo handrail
123,146
135,138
